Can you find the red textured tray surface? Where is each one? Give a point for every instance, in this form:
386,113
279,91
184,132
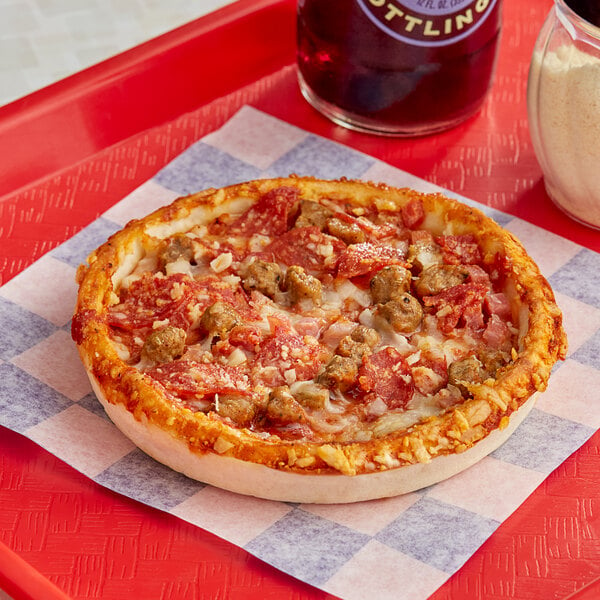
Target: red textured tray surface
74,149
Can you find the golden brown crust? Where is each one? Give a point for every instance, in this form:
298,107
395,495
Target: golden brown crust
542,338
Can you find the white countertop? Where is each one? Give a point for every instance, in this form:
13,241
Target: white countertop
42,41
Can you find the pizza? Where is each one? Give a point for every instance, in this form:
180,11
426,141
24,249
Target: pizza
316,341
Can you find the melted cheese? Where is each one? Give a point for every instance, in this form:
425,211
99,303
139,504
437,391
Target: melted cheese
339,417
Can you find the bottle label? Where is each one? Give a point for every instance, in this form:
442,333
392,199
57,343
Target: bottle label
427,22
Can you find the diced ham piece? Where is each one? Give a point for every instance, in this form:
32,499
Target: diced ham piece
478,275
413,213
497,335
498,304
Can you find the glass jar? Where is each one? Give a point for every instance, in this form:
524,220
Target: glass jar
563,100
397,67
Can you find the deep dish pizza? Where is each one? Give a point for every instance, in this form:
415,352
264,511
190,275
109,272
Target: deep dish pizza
316,341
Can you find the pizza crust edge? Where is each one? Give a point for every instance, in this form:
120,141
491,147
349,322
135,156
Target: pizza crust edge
257,480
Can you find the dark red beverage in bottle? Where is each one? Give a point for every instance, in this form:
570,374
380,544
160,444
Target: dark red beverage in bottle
588,10
401,67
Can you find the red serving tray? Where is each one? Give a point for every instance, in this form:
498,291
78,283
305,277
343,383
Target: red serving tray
70,151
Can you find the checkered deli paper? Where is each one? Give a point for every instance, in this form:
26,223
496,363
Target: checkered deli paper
401,548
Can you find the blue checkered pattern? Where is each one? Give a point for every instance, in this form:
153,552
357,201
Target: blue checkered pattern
425,536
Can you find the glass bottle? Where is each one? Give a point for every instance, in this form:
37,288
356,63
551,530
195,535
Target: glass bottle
397,67
563,101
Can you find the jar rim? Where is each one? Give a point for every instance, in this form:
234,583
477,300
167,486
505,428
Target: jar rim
574,19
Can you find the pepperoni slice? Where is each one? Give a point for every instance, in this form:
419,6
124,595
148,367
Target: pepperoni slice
176,298
307,247
386,374
187,378
460,305
360,259
269,216
286,350
459,249
152,298
210,289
